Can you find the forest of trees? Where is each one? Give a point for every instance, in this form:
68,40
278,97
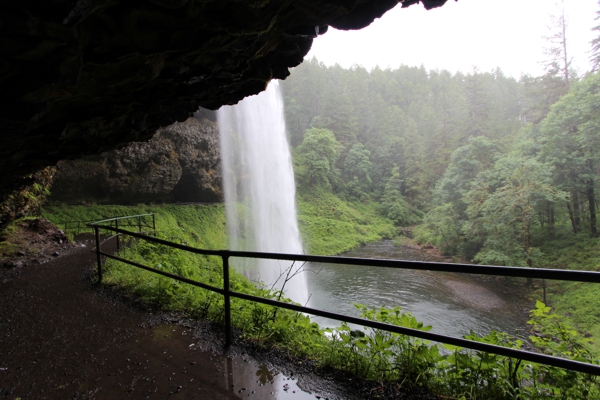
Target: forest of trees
488,164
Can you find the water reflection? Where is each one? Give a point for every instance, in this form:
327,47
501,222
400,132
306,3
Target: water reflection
265,374
269,384
452,303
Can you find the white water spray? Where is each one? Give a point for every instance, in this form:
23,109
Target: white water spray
260,190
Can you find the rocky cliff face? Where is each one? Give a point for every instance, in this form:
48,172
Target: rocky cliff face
81,77
180,163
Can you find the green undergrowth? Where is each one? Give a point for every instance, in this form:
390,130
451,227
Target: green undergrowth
203,225
330,225
7,240
369,354
8,237
561,249
577,301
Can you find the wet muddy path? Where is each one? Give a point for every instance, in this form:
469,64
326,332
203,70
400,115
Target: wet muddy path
63,337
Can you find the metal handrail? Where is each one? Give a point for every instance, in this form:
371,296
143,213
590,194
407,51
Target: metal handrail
89,224
119,218
540,273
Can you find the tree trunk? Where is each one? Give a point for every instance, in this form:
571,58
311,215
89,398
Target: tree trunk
576,211
592,205
571,217
583,217
527,246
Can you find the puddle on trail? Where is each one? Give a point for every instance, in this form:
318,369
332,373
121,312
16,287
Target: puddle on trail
226,377
164,333
248,379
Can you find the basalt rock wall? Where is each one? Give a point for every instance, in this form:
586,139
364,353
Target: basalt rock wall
181,163
82,77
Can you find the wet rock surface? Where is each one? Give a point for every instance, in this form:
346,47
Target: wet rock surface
181,163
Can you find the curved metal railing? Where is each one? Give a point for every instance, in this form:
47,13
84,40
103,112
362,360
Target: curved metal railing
538,273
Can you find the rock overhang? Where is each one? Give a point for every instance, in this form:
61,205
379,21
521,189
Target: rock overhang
81,77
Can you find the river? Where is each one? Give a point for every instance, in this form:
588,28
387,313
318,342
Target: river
453,304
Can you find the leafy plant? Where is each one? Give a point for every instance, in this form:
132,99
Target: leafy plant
27,201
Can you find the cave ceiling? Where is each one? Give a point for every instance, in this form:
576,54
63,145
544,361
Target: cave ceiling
83,77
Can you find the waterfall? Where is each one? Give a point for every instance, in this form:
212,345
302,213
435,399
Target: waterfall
260,191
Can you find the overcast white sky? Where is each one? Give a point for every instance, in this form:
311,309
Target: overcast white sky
460,35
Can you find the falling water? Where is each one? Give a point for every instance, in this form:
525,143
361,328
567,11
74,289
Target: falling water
260,190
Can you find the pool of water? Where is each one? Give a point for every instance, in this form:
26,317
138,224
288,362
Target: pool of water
452,303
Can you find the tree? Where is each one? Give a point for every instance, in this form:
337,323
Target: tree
357,169
478,100
316,158
558,62
393,205
505,214
538,94
467,164
595,43
571,143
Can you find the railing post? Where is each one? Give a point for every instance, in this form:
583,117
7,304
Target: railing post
98,255
117,234
227,300
153,223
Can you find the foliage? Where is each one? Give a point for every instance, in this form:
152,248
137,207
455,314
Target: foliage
330,225
554,336
577,300
442,227
407,118
28,200
473,374
570,142
357,170
316,158
394,206
595,44
455,191
8,238
371,354
506,213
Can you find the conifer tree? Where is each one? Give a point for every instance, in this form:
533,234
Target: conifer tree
595,43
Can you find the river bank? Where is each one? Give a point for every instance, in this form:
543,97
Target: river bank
515,288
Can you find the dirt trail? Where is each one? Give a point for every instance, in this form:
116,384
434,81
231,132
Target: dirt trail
63,337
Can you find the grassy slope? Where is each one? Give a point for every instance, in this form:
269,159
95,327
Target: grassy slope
202,225
330,225
579,301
